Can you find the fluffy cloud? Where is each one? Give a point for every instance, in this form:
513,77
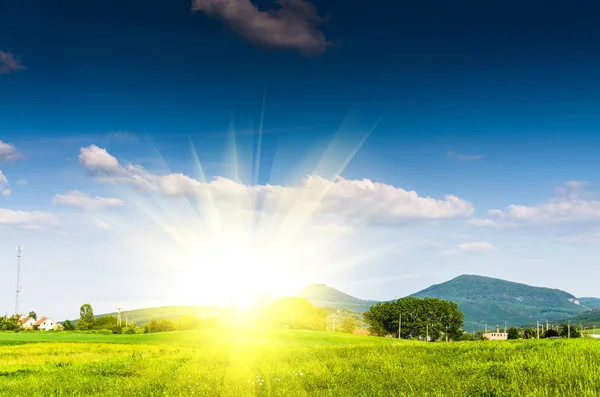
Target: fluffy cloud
569,208
8,63
293,25
462,157
9,152
102,225
4,187
342,198
85,201
483,223
471,248
28,219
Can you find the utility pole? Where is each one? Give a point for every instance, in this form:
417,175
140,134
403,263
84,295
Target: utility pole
505,326
18,286
538,330
569,330
400,326
486,327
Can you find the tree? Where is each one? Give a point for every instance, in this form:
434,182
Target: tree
513,333
33,315
550,333
68,325
529,333
105,322
420,317
162,325
188,322
295,313
86,317
12,323
348,325
564,331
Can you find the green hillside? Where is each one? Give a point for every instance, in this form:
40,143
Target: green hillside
323,295
142,316
586,319
485,299
592,303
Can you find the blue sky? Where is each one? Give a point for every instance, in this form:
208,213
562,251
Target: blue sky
107,112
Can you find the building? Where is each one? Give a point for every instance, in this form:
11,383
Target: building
27,322
496,335
45,324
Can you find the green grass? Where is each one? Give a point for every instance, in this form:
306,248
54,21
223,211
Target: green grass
291,363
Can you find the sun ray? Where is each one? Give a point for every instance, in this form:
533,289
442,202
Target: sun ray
302,215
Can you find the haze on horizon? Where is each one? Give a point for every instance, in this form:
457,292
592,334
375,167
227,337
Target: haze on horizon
233,149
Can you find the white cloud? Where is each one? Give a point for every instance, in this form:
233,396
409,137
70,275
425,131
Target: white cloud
9,152
28,219
569,208
349,199
102,225
471,248
293,25
4,186
9,63
460,157
483,223
85,201
22,182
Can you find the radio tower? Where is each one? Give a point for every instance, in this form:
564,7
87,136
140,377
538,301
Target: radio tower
18,287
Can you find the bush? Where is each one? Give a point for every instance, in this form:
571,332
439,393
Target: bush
129,331
117,330
163,325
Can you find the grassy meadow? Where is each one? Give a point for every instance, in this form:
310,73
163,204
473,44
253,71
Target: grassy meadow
291,363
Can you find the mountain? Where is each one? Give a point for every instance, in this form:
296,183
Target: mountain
323,295
592,303
485,299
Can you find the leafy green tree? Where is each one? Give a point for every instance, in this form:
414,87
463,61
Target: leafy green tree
436,317
513,333
564,331
68,325
33,315
12,323
86,317
105,322
348,325
188,322
162,325
529,333
295,313
550,333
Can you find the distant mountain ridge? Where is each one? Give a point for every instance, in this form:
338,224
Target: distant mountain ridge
323,295
485,299
481,299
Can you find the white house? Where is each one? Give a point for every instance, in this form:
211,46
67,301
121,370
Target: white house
27,322
46,324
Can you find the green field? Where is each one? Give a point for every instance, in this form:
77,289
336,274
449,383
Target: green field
290,363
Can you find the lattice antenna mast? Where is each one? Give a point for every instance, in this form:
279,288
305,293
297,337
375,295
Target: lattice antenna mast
18,286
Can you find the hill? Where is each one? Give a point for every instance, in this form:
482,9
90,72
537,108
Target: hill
485,299
323,295
592,303
142,316
587,319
